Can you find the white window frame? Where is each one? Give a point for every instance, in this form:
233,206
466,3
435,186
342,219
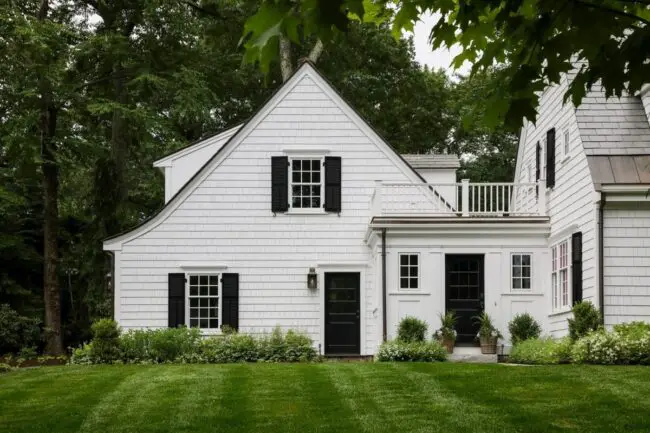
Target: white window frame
409,265
300,157
566,145
219,303
521,277
560,298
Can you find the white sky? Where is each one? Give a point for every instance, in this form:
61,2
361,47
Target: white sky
440,58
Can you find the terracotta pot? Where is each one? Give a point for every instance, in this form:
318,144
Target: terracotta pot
449,344
488,345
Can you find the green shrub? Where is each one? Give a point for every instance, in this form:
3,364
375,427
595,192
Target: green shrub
427,351
523,327
626,344
82,355
17,331
5,368
412,329
28,352
541,351
486,326
106,341
586,318
168,344
134,346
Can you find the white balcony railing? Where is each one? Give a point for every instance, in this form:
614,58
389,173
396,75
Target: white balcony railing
462,199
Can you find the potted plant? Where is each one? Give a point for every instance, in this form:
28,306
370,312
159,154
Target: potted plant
488,335
446,335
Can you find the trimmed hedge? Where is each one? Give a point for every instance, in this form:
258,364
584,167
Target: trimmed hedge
183,345
411,329
523,327
424,351
541,351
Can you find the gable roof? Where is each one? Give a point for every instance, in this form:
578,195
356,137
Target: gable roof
306,69
196,145
431,160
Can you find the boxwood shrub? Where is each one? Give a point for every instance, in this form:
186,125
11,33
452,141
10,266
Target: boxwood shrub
541,351
425,351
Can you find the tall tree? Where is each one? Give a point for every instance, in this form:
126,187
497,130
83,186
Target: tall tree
539,40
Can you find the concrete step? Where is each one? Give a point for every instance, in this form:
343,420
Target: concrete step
471,355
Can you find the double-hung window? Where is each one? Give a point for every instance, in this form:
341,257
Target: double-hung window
306,183
409,271
560,275
204,295
521,272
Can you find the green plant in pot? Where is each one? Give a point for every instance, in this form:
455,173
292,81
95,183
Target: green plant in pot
488,335
446,335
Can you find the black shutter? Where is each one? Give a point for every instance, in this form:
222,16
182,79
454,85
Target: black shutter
332,184
230,301
538,165
576,266
279,183
176,299
550,158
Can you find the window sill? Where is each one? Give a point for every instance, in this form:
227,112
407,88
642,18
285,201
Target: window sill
306,212
560,312
522,292
410,292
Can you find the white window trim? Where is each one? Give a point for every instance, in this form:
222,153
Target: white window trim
399,273
307,211
204,331
521,290
559,308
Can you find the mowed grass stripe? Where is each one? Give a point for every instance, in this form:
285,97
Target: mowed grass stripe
53,399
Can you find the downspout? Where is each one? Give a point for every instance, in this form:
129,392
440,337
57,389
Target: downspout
601,257
383,284
111,256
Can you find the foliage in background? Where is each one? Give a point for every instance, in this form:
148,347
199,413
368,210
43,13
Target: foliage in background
16,331
541,351
538,39
411,330
586,318
523,327
414,351
625,344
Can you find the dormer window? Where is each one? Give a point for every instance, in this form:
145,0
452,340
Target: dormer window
306,185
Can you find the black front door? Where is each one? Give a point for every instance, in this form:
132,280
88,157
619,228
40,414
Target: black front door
464,292
342,313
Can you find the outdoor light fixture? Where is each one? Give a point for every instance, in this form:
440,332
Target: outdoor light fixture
312,279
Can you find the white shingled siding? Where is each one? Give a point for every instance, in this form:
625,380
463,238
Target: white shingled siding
227,220
645,99
627,264
571,202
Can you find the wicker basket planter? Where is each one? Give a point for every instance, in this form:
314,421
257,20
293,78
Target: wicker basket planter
488,345
448,343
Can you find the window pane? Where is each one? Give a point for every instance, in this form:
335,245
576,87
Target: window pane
315,190
194,290
414,283
296,163
306,202
204,291
194,280
214,291
295,190
214,312
525,272
414,260
194,312
214,302
295,176
203,323
205,302
315,202
516,283
403,271
516,260
404,259
414,271
525,260
404,283
306,177
525,283
315,177
203,279
516,271
315,165
194,302
214,280
295,202
194,323
214,323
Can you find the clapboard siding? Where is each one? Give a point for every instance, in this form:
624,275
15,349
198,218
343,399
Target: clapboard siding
227,220
570,203
626,243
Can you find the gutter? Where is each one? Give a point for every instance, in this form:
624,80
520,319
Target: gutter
601,256
383,284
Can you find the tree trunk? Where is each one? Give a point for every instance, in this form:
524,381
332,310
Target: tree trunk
50,168
316,51
286,67
119,151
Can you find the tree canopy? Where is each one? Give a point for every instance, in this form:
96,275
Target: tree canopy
608,41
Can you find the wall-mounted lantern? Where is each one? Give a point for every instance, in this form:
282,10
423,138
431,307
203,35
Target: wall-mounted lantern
312,279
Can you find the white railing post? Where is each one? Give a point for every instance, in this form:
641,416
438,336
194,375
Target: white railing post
541,197
376,199
464,197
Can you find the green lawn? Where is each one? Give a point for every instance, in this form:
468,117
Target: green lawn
330,397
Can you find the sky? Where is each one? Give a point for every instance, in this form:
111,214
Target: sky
440,58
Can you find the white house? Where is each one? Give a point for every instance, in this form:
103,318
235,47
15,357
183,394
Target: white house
305,218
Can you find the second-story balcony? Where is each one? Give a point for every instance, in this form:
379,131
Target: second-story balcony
462,199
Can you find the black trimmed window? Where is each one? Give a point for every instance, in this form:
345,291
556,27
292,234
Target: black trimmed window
521,276
204,301
409,273
306,183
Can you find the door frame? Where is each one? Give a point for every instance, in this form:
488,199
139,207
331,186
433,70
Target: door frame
481,276
336,268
